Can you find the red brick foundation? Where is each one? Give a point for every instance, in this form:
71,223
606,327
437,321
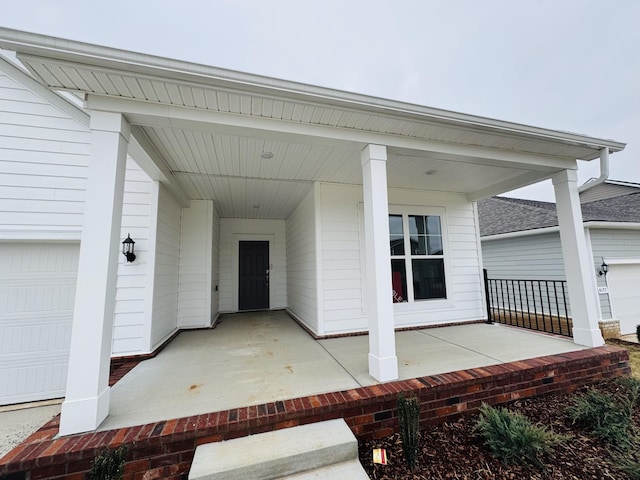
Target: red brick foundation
165,449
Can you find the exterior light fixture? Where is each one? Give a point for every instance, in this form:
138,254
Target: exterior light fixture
430,172
266,155
604,268
127,248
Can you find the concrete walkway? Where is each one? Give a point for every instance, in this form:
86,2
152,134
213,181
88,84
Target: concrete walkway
18,422
253,358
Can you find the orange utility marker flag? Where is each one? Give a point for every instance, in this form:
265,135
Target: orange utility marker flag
380,456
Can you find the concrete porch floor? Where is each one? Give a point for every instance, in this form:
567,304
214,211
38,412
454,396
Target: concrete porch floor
259,357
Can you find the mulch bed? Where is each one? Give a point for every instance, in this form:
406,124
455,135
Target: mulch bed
455,450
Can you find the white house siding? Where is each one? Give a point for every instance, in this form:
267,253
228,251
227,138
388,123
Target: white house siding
232,231
196,267
43,166
341,254
342,251
167,264
301,263
215,265
130,324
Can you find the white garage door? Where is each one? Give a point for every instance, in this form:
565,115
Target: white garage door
37,289
624,290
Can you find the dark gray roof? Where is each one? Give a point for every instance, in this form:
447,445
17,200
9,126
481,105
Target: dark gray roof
504,215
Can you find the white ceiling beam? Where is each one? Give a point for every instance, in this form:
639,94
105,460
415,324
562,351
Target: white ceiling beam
523,180
173,116
151,161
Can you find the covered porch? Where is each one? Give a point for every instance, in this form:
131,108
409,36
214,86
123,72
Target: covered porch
258,358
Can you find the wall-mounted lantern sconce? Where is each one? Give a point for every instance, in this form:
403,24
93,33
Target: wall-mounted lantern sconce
604,268
127,248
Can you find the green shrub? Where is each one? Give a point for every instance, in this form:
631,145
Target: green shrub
409,419
512,438
607,417
109,464
630,467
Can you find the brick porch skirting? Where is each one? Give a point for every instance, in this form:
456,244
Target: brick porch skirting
165,449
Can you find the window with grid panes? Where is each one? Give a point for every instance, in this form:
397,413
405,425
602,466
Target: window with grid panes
417,254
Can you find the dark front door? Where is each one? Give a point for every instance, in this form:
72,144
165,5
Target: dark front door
254,276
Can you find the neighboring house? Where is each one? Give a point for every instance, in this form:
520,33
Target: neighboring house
521,240
353,213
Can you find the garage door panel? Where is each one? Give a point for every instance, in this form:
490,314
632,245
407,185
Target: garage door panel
44,295
27,379
624,291
33,336
37,293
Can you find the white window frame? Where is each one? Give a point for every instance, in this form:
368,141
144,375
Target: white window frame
406,212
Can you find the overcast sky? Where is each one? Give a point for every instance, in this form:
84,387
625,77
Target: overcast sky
571,65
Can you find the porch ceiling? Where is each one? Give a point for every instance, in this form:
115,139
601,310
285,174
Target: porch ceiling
205,128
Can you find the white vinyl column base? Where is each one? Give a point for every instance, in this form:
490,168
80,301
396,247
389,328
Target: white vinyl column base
84,415
588,338
383,369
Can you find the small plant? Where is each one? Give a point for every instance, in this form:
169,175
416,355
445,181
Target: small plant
109,464
409,419
606,417
512,438
630,466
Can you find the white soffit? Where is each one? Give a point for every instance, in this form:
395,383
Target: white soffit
65,64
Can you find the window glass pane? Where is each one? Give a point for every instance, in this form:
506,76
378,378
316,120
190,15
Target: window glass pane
428,279
418,245
398,281
416,225
396,238
397,245
435,245
433,225
395,224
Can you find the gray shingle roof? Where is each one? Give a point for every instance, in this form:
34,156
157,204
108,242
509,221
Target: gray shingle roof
504,215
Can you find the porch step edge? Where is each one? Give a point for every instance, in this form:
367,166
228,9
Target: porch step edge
351,470
276,454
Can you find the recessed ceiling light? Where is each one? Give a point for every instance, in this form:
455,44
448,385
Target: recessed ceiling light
266,155
431,171
256,206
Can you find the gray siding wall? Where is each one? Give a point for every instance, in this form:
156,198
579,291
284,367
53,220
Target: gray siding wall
605,190
531,257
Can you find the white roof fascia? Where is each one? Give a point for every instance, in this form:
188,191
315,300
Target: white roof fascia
613,225
621,261
520,233
88,54
540,231
58,101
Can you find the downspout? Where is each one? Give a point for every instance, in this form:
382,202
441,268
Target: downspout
604,171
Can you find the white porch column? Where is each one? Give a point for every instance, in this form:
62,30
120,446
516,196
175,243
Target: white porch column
578,264
87,397
383,363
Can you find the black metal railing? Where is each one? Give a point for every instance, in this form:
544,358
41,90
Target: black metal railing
541,305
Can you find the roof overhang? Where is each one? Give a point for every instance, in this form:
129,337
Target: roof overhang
599,225
197,118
